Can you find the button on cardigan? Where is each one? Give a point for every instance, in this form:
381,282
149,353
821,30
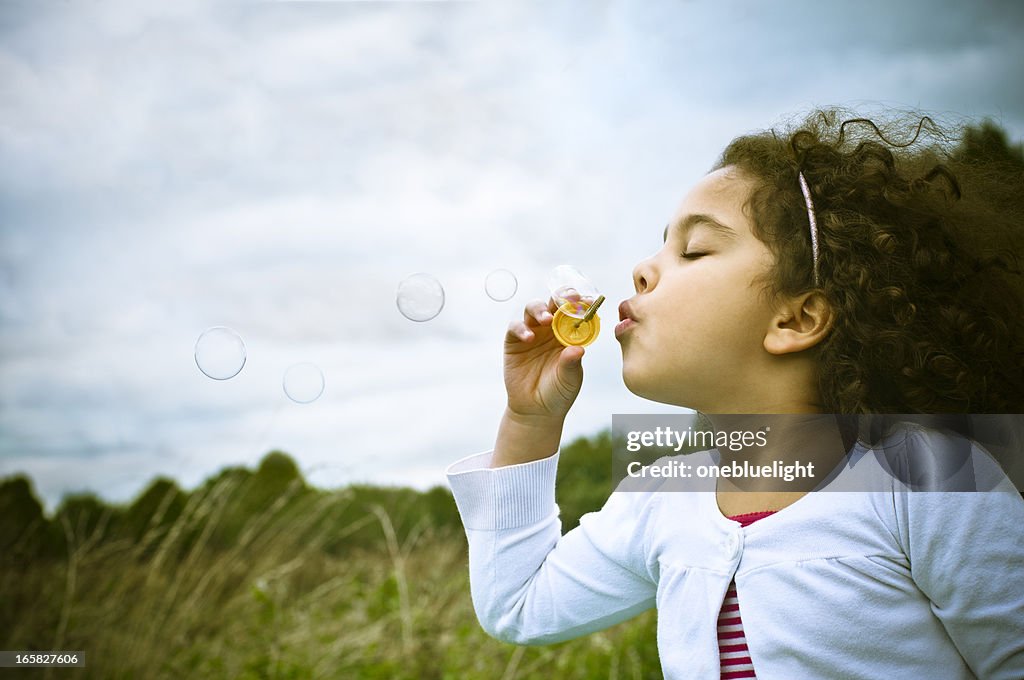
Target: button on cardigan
872,584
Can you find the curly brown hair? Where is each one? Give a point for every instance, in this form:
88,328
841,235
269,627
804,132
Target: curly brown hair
919,257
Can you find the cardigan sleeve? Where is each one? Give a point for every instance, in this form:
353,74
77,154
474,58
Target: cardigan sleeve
966,552
529,583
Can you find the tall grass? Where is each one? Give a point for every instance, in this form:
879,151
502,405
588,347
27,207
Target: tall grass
281,599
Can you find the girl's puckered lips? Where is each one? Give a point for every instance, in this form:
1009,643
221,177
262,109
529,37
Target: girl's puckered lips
626,319
625,311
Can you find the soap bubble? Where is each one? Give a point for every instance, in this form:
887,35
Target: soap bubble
571,290
501,285
220,353
420,297
303,383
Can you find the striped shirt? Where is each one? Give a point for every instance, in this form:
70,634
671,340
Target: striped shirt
732,643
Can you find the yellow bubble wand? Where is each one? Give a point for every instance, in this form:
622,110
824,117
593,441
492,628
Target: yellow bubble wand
572,331
590,312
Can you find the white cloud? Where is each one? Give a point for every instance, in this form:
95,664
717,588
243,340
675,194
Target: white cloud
278,168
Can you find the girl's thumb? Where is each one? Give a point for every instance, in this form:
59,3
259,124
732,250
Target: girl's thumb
571,359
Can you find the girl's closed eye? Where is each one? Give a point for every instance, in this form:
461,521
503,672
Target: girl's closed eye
693,254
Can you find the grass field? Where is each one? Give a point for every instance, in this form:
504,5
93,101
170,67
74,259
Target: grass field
255,575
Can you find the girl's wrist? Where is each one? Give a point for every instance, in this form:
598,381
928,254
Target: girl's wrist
533,420
525,438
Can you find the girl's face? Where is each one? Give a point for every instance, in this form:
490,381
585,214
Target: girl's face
700,320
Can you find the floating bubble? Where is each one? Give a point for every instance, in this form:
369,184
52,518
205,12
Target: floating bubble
501,285
420,297
220,353
303,383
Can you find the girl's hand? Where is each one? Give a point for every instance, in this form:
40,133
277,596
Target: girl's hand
542,377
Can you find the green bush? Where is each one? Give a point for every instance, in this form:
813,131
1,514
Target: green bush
254,574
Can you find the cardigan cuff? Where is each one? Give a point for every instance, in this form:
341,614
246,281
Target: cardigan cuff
506,497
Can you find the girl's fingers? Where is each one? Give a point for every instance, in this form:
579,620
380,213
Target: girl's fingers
517,331
538,313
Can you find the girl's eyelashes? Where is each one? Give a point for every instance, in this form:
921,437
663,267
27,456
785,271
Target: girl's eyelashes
692,256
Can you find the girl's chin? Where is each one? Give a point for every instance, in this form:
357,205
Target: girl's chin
653,386
641,384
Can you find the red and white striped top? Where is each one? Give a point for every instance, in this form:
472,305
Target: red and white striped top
732,643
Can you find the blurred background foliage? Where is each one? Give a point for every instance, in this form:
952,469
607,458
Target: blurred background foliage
256,574
27,533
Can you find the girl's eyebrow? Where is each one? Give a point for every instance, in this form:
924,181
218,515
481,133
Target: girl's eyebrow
704,220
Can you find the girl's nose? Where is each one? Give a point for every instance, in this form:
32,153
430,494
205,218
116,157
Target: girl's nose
641,276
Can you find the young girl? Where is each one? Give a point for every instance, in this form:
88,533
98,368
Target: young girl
823,270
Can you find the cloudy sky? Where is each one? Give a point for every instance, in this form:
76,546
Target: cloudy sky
279,167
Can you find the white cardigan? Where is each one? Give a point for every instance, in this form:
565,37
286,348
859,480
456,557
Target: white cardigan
846,584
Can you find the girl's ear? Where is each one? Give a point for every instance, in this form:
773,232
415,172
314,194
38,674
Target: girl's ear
800,323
